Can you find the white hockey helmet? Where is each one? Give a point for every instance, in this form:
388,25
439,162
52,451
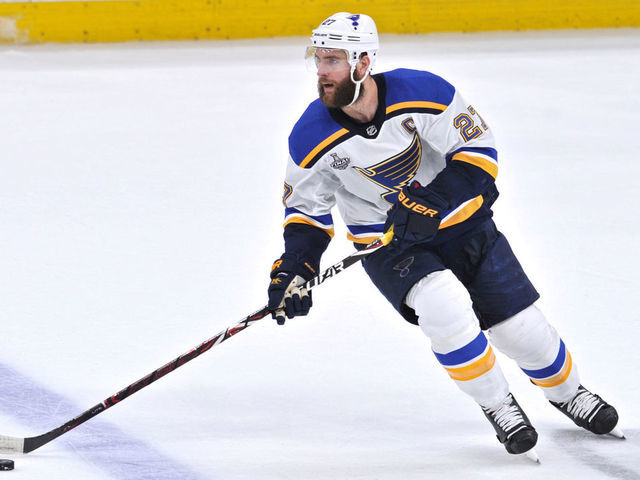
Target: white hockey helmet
354,33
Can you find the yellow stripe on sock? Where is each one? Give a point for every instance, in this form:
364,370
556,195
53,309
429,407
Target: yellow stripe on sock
559,378
475,369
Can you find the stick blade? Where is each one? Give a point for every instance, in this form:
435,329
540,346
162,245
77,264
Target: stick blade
11,444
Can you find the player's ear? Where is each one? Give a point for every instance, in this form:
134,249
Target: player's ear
363,65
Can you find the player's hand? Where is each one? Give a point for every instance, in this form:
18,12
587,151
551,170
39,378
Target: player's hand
287,297
415,217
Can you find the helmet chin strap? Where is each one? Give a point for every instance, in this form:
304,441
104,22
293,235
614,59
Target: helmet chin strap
358,83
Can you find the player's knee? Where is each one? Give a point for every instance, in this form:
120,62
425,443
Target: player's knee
525,336
444,308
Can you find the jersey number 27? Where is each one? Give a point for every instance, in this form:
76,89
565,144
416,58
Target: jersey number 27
468,129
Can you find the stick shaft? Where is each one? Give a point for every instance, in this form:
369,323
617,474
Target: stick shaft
10,444
32,443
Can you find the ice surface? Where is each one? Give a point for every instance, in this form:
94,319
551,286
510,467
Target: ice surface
140,211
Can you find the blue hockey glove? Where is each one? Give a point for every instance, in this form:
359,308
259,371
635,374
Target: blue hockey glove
415,217
285,295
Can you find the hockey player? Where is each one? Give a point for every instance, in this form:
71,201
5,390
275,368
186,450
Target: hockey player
404,150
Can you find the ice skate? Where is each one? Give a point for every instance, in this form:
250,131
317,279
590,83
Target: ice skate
589,411
513,428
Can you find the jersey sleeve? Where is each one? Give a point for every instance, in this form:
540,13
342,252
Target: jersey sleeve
467,144
310,186
309,196
308,200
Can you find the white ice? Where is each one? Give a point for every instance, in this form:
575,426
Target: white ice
140,212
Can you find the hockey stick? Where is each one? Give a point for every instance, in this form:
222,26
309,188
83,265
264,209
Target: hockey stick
10,444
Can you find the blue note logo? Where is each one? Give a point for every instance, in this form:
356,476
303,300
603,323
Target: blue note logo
403,266
394,173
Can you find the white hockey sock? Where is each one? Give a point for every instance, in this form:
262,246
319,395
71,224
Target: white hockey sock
446,316
539,351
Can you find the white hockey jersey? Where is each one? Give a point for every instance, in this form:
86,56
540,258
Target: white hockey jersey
422,125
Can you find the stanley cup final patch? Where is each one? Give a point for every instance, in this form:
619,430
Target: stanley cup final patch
339,163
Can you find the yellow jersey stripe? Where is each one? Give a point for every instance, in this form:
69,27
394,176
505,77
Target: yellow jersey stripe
306,221
363,240
462,214
327,141
475,369
490,167
558,378
402,105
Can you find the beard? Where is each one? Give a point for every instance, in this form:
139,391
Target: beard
342,94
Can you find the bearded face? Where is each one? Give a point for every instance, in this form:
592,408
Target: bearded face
335,87
336,94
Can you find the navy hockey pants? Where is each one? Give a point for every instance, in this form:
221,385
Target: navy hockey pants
480,258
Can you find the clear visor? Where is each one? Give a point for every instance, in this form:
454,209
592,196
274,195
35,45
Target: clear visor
326,59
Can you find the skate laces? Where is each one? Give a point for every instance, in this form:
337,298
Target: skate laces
507,415
584,404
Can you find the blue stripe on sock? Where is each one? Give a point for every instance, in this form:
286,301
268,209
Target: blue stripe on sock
464,354
552,369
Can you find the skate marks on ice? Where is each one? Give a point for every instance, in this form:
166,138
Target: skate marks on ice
96,442
612,457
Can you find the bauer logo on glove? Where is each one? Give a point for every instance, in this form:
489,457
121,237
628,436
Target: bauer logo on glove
415,217
414,206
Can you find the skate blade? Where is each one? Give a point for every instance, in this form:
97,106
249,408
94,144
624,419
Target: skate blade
532,455
616,432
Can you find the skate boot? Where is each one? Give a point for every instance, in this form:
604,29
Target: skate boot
589,411
512,426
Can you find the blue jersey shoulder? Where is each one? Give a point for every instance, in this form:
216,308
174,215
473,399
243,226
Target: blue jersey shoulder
314,130
405,85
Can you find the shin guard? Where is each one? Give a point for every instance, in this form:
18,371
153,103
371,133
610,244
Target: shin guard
446,316
539,351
